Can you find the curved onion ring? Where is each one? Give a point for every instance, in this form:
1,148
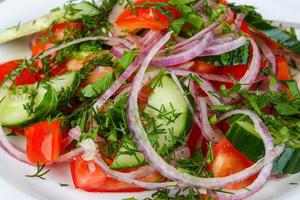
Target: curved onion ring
11,150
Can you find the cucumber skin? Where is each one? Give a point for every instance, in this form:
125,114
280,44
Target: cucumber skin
45,22
25,119
134,162
249,144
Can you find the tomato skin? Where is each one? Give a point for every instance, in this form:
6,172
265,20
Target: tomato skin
283,69
195,140
46,40
98,181
228,160
224,2
44,142
26,77
147,18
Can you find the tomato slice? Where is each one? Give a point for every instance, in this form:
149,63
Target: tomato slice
44,141
88,176
26,77
46,40
228,160
145,18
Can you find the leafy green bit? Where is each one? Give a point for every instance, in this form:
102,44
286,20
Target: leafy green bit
194,165
236,57
13,133
169,115
49,103
98,87
89,135
127,59
213,119
221,108
40,172
188,15
63,184
282,37
285,124
188,193
157,80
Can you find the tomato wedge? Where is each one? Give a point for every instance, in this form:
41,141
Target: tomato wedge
145,18
44,141
89,177
46,40
283,69
26,77
228,160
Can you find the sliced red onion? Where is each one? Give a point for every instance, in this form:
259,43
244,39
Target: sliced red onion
268,53
70,155
48,52
117,51
223,39
11,150
224,48
89,148
140,172
218,78
147,39
126,74
251,74
207,131
187,65
75,133
181,153
193,38
238,23
185,56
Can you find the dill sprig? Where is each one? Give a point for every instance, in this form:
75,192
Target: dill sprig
40,172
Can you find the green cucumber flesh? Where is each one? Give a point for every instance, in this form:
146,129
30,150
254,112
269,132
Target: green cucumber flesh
243,137
166,97
44,22
12,108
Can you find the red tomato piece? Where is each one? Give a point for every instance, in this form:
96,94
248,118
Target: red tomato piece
228,160
26,77
283,69
46,40
88,176
44,141
195,139
224,2
147,18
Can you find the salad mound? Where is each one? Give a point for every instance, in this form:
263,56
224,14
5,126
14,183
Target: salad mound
193,98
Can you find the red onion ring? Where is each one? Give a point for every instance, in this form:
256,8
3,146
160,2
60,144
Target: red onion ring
185,56
207,131
147,39
48,52
238,23
252,72
193,38
70,155
11,150
224,48
75,133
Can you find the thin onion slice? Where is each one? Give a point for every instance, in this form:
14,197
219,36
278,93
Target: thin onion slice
225,47
11,150
48,52
184,56
70,155
208,132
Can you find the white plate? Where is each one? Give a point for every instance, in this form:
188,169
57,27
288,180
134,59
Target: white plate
13,183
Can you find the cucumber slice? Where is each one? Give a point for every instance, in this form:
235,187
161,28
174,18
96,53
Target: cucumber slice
42,23
13,112
243,137
171,113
